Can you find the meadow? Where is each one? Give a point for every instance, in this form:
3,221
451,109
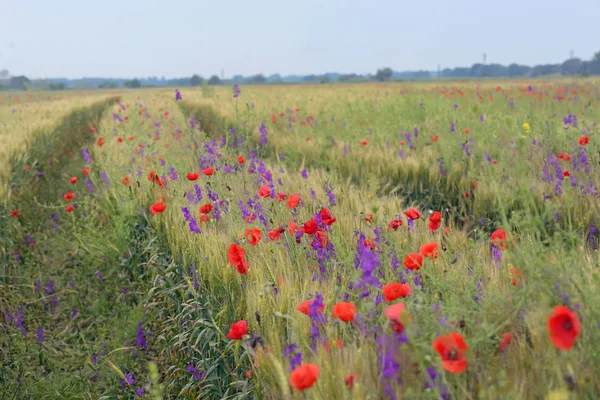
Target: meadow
402,240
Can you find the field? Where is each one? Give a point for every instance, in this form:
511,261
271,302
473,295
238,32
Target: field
405,240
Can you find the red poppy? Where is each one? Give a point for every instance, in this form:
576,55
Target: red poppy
304,307
14,213
276,233
126,181
208,171
393,291
73,179
394,224
292,227
364,142
27,167
151,175
584,140
505,342
120,139
323,238
241,159
467,194
429,250
293,201
236,256
310,226
69,208
304,376
92,129
238,330
452,348
564,156
563,327
130,138
157,208
473,185
434,221
370,243
69,196
253,236
369,218
192,176
344,311
412,213
434,138
498,238
350,381
394,314
206,208
566,173
100,142
280,196
465,131
204,218
413,261
264,191
515,273
326,217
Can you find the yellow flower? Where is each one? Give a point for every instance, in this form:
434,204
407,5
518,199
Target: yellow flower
526,127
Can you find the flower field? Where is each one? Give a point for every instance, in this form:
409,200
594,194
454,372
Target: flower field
368,241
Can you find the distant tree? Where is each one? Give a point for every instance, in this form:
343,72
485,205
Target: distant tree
260,78
383,73
19,82
310,78
134,83
108,85
56,86
214,80
324,78
4,74
196,80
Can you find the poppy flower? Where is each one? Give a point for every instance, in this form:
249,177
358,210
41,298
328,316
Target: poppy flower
69,196
393,291
394,314
92,129
69,208
566,173
310,226
292,227
505,342
73,179
276,233
126,181
151,175
429,250
364,142
120,139
434,221
370,243
515,273
27,167
206,208
498,238
304,376
369,218
326,217
304,307
434,138
452,348
473,185
241,159
394,224
236,256
14,213
413,261
412,213
564,156
204,218
192,176
100,142
293,201
563,327
238,330
467,194
208,171
466,131
344,311
130,138
158,207
253,236
349,381
323,238
264,191
584,140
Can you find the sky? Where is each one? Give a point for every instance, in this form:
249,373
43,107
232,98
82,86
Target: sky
178,38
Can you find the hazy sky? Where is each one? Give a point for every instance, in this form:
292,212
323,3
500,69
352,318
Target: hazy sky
127,38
